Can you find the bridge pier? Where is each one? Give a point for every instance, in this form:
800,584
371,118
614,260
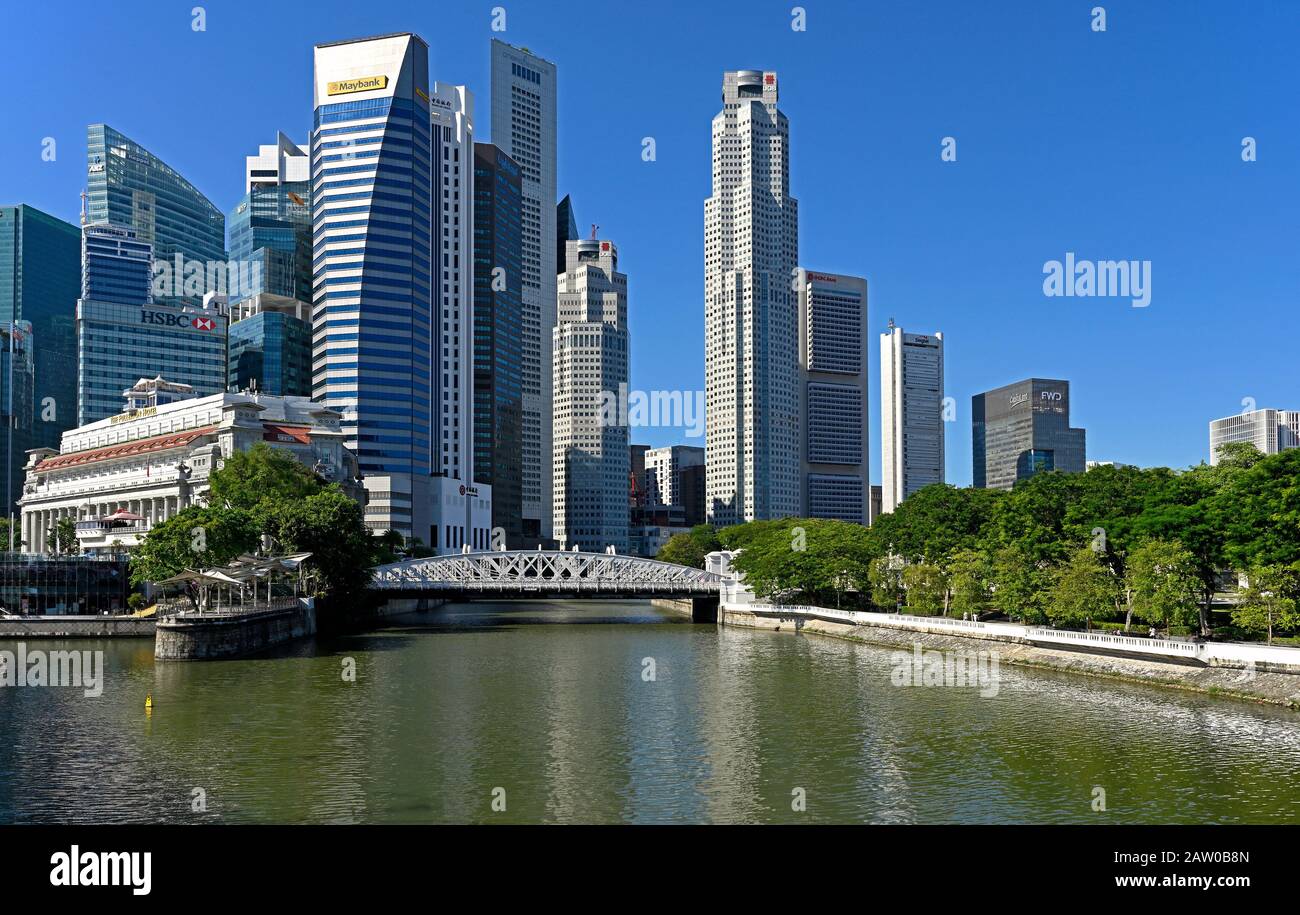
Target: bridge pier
704,609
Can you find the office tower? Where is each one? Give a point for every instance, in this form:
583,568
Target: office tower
462,505
636,492
592,459
691,486
523,126
124,336
1022,429
663,472
270,245
372,205
751,249
833,387
40,279
498,330
911,413
131,187
566,230
17,411
1270,431
877,501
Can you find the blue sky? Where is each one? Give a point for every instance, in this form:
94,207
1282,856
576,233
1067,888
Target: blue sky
1117,145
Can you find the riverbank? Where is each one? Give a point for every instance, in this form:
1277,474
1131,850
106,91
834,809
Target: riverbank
75,627
1248,681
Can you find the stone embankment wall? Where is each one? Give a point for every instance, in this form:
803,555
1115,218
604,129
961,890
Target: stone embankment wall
195,637
75,627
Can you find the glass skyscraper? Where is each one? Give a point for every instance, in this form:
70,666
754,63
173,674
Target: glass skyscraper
372,193
17,410
270,241
123,336
1023,429
130,186
40,277
498,329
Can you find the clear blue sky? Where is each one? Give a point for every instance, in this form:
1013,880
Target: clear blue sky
1117,145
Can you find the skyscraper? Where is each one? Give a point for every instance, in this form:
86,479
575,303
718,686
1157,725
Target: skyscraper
1021,429
911,413
124,336
372,206
523,126
663,472
498,374
751,249
462,504
130,186
1270,431
566,230
270,240
17,413
40,279
592,460
833,360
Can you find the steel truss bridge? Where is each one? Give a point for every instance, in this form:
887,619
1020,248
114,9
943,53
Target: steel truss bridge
522,574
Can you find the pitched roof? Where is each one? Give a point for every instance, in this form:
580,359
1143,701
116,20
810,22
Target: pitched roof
126,449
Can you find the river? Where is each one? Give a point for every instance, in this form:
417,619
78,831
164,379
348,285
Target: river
620,712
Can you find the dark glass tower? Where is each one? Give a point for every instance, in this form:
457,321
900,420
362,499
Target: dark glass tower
1022,429
498,329
40,279
566,230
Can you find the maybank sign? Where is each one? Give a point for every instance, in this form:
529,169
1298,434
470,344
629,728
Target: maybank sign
360,84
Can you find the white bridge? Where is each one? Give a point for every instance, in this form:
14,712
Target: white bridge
542,574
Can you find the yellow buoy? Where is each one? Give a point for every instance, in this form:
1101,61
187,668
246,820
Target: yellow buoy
148,702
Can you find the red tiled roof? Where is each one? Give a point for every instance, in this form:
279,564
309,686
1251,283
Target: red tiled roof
279,432
127,449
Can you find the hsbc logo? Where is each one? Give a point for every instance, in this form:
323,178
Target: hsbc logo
180,321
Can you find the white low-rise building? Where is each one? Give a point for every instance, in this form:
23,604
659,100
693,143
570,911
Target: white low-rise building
118,477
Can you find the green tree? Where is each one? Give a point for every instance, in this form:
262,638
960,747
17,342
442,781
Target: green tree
331,527
1083,590
926,586
814,558
1260,506
197,537
885,576
62,538
690,548
969,576
1269,601
1020,583
1162,582
259,478
935,522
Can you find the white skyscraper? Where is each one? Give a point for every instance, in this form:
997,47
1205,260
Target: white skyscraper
751,250
911,414
283,163
833,359
592,461
462,512
1270,431
523,126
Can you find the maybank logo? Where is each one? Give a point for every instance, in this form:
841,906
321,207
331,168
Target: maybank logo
360,84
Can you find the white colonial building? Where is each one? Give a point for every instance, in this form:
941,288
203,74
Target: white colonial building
118,477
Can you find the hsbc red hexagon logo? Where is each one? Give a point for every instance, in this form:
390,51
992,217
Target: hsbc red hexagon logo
203,324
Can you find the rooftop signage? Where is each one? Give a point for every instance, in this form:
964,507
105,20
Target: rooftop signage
360,84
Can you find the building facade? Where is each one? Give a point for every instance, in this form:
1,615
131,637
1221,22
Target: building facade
592,460
123,335
129,186
1022,429
118,477
1270,431
751,250
833,388
40,280
18,411
524,127
911,414
270,244
372,192
498,339
663,473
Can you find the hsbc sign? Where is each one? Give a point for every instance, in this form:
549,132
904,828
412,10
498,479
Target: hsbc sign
181,321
